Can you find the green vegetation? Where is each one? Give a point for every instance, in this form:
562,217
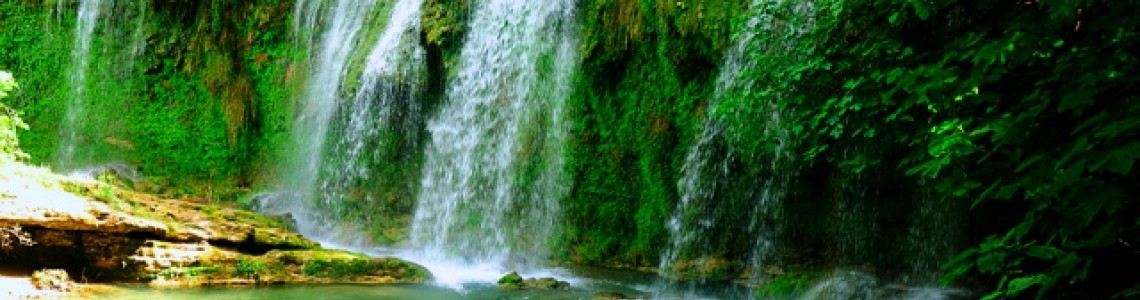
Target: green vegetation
186,273
10,123
345,265
193,96
1017,119
1014,108
249,268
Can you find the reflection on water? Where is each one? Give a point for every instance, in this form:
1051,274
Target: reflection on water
586,284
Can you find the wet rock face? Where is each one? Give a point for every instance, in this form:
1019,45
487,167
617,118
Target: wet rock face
514,281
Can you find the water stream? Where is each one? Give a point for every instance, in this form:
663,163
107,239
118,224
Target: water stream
708,167
321,98
493,175
107,40
386,102
80,59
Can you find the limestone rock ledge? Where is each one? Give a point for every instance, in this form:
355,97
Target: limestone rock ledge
101,233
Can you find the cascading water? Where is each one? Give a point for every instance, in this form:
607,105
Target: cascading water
932,237
339,130
386,100
80,58
320,100
109,36
493,174
708,167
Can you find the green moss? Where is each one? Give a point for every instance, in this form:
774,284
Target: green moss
249,268
279,238
336,264
512,281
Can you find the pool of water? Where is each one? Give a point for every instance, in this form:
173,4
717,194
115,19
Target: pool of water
454,280
585,283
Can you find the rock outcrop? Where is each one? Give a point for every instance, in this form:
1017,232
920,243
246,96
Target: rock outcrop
514,281
98,232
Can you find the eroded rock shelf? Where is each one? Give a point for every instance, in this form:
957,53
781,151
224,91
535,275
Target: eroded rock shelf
102,233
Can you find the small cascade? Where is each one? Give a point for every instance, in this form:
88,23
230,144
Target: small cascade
493,173
706,202
108,38
80,58
933,235
339,22
907,240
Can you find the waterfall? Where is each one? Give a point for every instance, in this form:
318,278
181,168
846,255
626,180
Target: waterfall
80,58
319,102
109,36
353,96
708,170
493,173
385,100
933,235
706,161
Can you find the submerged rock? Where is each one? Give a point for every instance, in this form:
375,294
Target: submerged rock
514,281
704,269
546,283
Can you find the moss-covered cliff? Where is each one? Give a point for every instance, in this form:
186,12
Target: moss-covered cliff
867,132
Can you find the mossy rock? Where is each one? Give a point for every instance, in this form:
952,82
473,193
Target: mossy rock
514,281
511,281
224,267
546,283
278,238
343,266
707,269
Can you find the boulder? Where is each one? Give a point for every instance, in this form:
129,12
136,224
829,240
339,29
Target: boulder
52,280
514,281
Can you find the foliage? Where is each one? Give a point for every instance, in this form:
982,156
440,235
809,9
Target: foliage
1013,108
195,96
10,122
249,268
648,77
1020,108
